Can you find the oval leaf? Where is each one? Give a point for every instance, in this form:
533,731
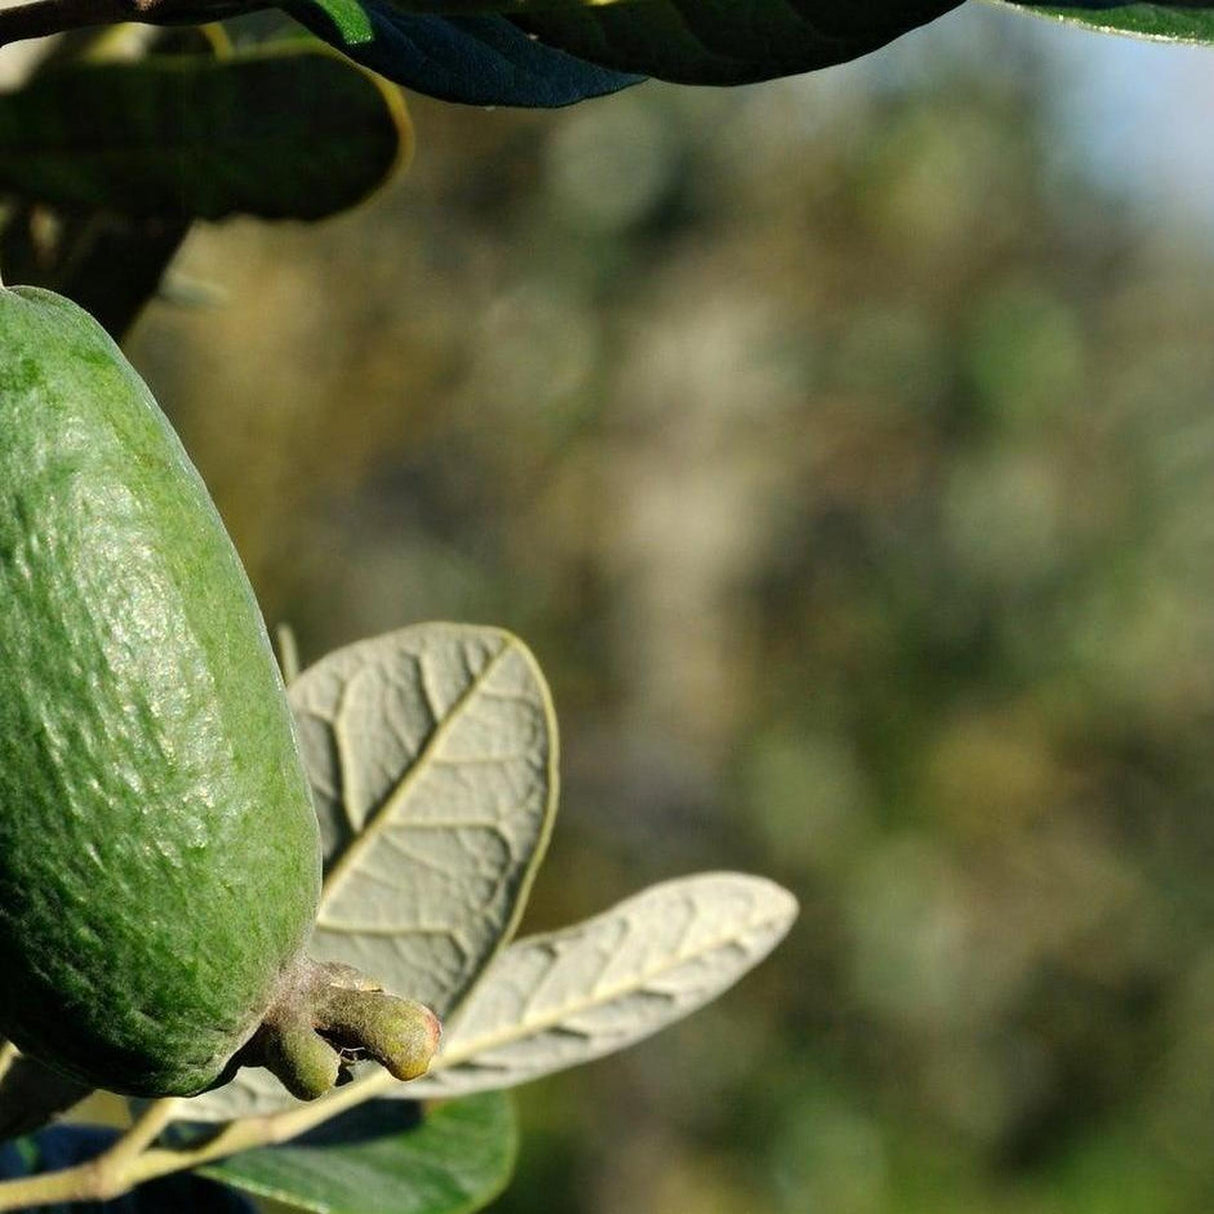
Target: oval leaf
293,132
1167,22
476,60
432,755
557,1000
458,1159
726,41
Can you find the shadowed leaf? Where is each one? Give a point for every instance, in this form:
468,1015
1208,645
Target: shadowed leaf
377,1160
477,60
296,132
726,41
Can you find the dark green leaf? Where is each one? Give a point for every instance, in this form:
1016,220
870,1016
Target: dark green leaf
1174,22
727,41
296,132
110,264
482,59
377,1159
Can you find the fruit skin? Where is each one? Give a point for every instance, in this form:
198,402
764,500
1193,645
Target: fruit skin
159,854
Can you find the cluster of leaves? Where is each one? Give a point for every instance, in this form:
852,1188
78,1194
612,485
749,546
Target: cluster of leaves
432,758
554,53
119,142
126,149
400,733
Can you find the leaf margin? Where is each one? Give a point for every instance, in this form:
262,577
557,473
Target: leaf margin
784,910
1139,21
221,1171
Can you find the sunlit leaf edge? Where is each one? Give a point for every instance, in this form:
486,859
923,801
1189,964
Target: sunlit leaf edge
1189,25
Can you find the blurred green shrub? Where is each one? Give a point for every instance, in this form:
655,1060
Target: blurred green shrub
848,465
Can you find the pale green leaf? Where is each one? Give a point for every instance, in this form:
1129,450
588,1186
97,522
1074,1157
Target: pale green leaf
456,1160
253,1093
432,758
557,1000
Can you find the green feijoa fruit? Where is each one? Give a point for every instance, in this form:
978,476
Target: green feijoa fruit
159,854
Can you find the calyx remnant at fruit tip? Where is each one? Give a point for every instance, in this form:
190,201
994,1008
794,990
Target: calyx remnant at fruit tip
327,1015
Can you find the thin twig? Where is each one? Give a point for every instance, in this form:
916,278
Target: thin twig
142,1134
44,17
132,1160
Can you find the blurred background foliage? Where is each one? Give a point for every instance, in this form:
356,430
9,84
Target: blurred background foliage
845,452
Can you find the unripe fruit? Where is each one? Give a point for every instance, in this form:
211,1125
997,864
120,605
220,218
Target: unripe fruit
159,854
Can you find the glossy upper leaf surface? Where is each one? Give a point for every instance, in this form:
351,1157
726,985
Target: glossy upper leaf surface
378,1159
727,41
477,60
1168,22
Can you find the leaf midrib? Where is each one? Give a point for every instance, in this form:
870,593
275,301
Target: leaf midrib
553,1019
380,817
